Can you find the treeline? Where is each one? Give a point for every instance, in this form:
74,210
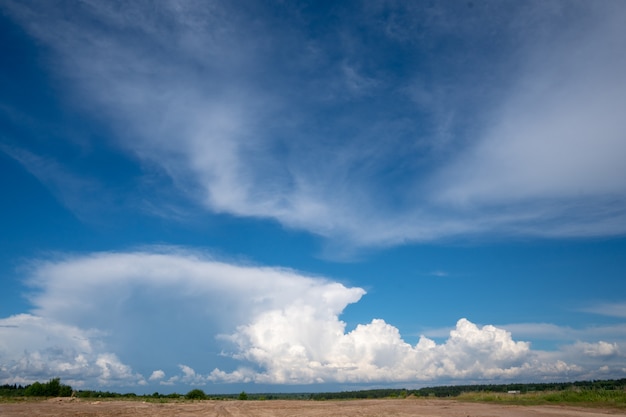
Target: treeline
198,394
456,390
52,388
362,394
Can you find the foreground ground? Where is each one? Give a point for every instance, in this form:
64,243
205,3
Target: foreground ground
362,408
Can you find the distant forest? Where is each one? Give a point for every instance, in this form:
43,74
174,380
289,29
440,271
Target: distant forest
54,388
455,390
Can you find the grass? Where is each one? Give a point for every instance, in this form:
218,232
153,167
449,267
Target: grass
11,400
575,397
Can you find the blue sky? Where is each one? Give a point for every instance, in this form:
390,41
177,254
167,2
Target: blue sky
309,196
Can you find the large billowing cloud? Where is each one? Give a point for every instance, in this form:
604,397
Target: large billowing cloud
511,124
321,352
156,309
168,316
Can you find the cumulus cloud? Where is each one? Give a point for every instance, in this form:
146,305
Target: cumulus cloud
185,313
189,376
599,349
157,375
36,348
192,296
198,92
197,284
288,348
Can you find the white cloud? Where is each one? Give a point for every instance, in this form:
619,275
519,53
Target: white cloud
554,148
199,285
157,375
193,297
599,349
280,325
36,348
190,377
608,309
184,93
376,352
553,332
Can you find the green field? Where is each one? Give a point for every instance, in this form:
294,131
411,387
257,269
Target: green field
574,397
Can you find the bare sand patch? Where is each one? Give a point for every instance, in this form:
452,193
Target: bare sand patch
284,408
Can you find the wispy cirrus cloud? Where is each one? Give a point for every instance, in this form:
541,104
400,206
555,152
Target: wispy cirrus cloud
557,142
260,117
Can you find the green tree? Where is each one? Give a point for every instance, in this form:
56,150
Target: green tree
196,394
52,388
36,389
243,396
65,391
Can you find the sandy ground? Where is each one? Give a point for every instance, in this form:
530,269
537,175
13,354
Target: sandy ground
361,408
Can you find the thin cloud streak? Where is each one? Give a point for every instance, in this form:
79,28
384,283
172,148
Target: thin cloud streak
608,309
75,192
552,332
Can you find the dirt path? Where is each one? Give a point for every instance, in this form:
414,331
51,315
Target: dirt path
355,408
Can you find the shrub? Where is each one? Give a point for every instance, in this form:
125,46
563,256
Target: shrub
196,394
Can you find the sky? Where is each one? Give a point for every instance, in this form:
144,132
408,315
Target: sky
311,196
